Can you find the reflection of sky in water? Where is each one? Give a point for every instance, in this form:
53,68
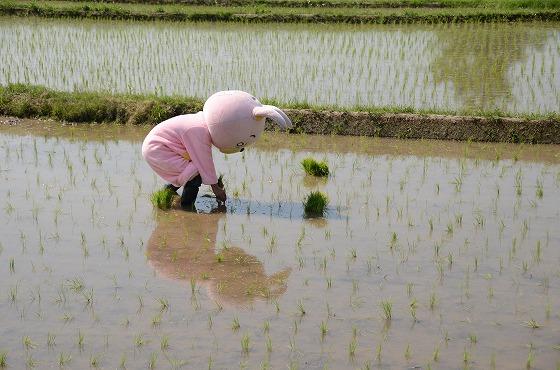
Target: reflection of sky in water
425,66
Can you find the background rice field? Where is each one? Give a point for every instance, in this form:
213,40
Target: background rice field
509,67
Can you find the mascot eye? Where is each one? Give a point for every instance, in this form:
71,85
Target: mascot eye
240,144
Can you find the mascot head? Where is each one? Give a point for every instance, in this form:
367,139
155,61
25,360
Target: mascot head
236,119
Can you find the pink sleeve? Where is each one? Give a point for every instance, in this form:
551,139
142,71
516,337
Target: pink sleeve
199,145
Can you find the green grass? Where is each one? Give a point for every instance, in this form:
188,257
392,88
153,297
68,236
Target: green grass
3,360
315,204
315,168
163,198
29,101
502,4
26,101
359,12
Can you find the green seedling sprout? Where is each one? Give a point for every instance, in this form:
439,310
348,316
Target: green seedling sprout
324,329
245,343
152,362
164,344
28,343
235,324
387,308
315,168
163,198
352,346
315,204
94,361
64,359
163,303
51,340
407,353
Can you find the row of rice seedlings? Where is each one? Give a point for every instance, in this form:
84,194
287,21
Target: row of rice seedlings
414,60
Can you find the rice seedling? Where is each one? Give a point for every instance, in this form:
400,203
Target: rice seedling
532,324
139,340
30,362
164,343
466,356
88,298
13,293
433,301
28,343
387,309
315,168
81,339
235,324
435,355
163,304
539,192
51,340
324,329
94,361
407,353
530,359
301,308
163,198
352,346
413,306
152,361
245,343
76,284
64,359
156,320
315,203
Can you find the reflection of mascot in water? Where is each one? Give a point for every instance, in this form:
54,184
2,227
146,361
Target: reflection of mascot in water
179,149
183,247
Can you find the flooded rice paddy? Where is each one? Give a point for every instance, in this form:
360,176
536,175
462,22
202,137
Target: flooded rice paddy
432,255
510,67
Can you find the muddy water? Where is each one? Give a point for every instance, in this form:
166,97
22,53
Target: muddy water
467,235
511,67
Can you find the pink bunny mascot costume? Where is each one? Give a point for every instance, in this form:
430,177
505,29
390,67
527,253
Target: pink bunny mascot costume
180,149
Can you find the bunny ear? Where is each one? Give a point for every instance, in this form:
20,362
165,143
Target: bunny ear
286,119
275,114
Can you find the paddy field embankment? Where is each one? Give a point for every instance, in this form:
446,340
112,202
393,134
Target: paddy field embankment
32,101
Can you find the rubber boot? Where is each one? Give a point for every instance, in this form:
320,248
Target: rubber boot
171,187
190,191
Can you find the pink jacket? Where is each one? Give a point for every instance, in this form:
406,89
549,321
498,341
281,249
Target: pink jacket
180,148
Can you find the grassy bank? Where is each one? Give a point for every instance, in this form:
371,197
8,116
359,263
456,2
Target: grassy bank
273,13
38,102
379,4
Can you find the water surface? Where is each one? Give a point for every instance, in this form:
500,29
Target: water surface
464,235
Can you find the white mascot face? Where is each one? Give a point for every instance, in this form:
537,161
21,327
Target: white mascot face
236,119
